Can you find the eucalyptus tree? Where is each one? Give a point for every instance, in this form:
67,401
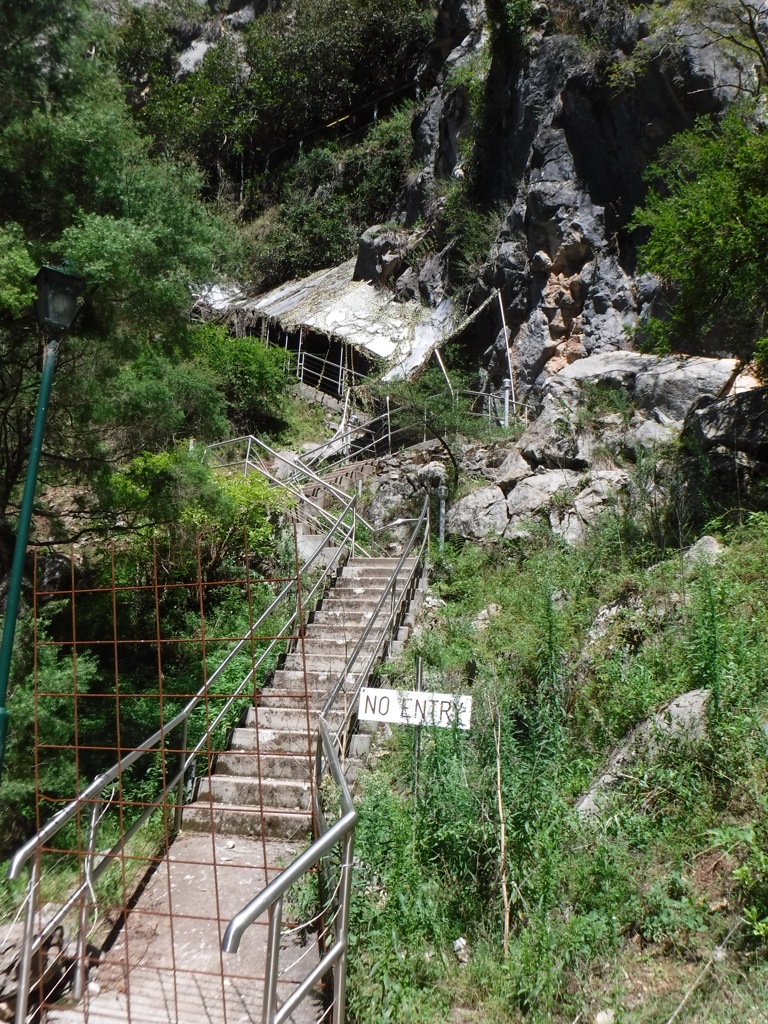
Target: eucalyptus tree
79,183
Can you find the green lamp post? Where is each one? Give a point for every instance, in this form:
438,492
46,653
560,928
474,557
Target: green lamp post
58,303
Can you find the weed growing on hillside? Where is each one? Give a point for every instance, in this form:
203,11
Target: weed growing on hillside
580,647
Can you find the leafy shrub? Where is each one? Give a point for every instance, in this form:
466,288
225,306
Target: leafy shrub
253,376
708,225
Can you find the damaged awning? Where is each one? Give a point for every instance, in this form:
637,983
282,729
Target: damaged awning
403,335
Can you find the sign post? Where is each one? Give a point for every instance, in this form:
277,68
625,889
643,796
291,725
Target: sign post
417,739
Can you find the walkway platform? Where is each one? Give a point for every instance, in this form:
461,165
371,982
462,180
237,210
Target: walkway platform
166,964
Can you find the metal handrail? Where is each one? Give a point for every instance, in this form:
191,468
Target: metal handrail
390,592
314,357
290,485
342,531
312,457
270,899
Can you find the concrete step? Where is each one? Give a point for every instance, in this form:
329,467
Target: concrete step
328,642
285,718
291,794
343,616
320,632
359,587
340,599
333,663
374,583
375,563
293,679
271,741
203,816
269,766
339,607
282,696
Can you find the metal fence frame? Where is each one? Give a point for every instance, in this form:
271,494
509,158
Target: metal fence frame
91,799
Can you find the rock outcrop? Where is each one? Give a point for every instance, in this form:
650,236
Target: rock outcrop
728,442
682,719
563,156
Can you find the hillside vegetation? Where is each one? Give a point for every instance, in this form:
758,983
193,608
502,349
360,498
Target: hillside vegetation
585,149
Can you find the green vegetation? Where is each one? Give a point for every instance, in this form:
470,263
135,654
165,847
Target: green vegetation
183,523
425,408
290,77
564,915
708,234
313,211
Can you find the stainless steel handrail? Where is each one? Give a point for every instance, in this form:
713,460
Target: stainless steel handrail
270,899
290,485
390,592
341,531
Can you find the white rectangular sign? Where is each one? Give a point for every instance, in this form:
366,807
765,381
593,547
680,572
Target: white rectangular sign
414,707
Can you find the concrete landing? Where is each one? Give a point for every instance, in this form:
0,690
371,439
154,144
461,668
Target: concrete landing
166,966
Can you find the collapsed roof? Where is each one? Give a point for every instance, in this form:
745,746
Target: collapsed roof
402,334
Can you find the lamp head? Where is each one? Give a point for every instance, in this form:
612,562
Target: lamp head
59,300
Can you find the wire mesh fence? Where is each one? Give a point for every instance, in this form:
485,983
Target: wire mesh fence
147,692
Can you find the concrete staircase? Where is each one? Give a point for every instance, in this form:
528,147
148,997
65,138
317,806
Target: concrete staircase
344,477
262,785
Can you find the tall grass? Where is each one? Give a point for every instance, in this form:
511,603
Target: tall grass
560,912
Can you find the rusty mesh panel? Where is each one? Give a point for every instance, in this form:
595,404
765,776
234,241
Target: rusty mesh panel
115,660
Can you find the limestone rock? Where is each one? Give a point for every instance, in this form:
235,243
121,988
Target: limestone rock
674,384
532,348
535,493
380,254
649,434
706,549
738,423
391,493
479,514
407,285
430,476
667,386
432,280
484,616
513,469
682,718
602,492
554,440
284,465
617,369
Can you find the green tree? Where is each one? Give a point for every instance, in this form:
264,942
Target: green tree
708,232
251,375
78,182
294,74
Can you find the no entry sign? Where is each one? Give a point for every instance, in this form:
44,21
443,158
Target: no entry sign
414,707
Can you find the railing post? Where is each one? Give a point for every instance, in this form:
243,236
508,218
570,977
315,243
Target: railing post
389,428
247,457
506,386
82,929
342,928
273,957
177,817
442,493
25,958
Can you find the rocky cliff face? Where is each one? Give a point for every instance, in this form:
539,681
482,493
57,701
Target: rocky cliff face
558,147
